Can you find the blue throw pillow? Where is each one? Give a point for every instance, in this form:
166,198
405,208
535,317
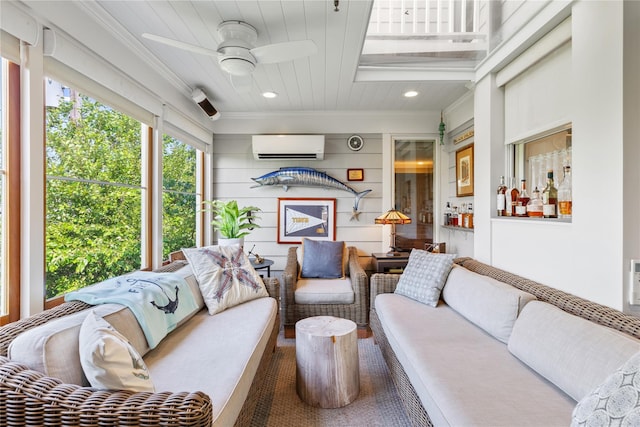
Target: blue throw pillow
322,259
425,276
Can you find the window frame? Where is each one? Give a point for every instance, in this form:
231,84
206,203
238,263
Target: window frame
12,222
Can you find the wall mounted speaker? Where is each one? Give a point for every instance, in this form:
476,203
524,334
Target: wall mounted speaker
201,99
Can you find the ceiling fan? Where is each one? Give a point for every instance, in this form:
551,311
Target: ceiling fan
237,54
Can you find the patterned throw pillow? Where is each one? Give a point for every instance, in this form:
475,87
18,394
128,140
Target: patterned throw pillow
615,402
225,276
322,259
108,360
424,276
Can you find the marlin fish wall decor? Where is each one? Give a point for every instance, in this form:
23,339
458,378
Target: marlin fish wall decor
308,177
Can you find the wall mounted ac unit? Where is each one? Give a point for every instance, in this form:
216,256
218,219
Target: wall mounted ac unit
288,147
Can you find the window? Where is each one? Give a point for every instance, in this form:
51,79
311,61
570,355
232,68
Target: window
413,171
9,191
94,194
536,157
178,195
4,294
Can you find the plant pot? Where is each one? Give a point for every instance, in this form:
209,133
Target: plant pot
222,241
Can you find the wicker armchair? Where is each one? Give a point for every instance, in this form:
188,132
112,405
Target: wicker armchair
357,311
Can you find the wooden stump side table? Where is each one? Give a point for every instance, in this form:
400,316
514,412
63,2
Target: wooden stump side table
327,367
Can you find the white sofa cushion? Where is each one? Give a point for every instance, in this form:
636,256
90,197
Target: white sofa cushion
492,305
218,355
52,348
615,402
424,276
571,352
462,375
108,360
324,291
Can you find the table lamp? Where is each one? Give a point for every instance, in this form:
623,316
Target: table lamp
393,217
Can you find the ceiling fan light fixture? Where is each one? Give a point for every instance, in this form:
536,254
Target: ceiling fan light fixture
236,61
237,66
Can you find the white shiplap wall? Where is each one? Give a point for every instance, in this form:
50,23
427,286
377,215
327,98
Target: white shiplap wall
234,166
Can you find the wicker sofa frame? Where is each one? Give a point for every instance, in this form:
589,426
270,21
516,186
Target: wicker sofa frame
594,312
29,398
357,311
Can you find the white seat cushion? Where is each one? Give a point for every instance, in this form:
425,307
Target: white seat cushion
324,291
462,375
218,355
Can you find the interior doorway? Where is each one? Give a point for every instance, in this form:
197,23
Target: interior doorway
414,191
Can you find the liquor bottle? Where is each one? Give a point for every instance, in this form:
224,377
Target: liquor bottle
512,197
534,207
447,214
470,215
564,194
550,198
501,203
523,199
507,198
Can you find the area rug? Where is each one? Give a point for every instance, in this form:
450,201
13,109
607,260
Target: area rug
378,403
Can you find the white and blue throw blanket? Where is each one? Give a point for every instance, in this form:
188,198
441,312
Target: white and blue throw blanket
158,300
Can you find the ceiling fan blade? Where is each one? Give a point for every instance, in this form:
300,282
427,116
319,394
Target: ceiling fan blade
281,52
242,84
180,45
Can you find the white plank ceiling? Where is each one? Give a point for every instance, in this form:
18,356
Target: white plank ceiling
322,82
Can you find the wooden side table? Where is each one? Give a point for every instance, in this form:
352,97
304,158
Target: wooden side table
383,263
327,367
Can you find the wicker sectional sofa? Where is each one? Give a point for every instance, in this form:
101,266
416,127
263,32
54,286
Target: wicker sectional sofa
500,350
208,371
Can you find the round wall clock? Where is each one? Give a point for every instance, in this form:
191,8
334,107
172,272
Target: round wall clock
355,142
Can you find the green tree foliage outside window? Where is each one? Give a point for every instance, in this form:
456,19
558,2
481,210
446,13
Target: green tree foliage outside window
179,195
93,219
94,195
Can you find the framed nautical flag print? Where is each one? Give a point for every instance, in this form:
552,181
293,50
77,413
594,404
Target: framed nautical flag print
298,218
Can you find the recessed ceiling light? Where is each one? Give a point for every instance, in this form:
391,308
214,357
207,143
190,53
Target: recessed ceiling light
269,94
410,94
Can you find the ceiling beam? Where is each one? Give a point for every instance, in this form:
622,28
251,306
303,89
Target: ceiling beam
388,74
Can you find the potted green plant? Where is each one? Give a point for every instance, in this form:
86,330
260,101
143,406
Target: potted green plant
232,222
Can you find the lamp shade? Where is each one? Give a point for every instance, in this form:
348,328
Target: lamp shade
393,216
